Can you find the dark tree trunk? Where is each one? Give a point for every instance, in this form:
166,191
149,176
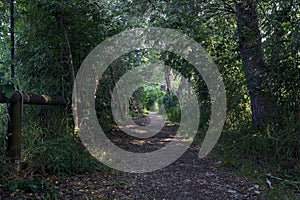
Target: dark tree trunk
253,63
12,38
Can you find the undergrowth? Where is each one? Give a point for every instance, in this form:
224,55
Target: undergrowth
263,155
48,149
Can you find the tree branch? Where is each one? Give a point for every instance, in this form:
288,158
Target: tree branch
228,7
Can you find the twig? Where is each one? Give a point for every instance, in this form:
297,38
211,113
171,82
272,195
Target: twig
264,12
280,179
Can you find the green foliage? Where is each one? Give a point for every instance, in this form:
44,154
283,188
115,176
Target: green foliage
281,43
27,185
6,86
41,66
40,188
173,114
4,37
47,144
254,154
46,152
170,104
146,98
151,94
169,100
3,130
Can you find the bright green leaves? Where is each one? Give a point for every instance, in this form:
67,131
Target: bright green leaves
1,4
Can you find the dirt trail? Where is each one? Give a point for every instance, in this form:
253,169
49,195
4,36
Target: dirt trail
187,178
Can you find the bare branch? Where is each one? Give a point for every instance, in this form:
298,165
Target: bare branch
281,179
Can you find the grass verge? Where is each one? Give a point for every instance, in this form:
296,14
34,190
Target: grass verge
250,154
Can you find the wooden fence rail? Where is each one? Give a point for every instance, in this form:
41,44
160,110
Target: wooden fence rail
30,98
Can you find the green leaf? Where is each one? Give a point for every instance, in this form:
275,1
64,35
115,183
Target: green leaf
6,86
13,186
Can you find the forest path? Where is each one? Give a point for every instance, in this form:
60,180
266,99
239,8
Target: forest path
187,178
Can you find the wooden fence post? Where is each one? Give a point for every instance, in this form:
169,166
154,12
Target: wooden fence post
14,128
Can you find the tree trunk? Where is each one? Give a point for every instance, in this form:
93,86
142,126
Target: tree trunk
120,106
70,64
169,78
181,86
253,63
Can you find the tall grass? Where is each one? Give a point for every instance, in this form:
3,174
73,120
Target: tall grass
48,145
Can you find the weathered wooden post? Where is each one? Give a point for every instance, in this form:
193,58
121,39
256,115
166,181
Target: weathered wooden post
14,127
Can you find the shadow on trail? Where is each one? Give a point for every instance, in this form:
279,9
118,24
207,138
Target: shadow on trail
187,178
